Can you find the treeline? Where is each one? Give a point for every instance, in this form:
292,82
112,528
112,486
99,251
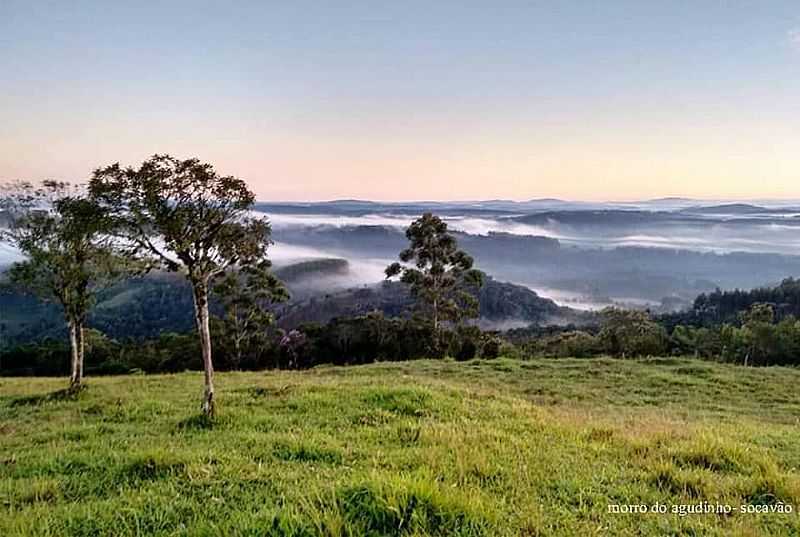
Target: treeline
758,338
344,341
755,336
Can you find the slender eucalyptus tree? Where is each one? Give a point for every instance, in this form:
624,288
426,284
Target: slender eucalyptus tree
437,272
245,296
68,253
182,216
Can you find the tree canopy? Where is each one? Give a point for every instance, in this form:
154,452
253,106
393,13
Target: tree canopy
245,296
183,216
68,252
438,273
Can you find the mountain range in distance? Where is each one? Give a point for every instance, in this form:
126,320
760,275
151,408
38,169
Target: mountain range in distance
671,204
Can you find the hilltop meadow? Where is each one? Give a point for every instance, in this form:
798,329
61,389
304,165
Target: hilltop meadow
535,431
430,447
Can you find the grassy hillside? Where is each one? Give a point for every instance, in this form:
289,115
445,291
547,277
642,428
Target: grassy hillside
419,448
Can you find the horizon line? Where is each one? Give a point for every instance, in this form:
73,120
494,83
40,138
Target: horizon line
531,200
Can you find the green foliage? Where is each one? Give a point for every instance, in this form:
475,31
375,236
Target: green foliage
631,333
64,238
719,307
757,340
170,352
701,342
438,273
136,308
357,340
245,296
182,216
573,343
365,339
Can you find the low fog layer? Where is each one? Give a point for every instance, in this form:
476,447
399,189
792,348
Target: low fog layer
657,254
714,233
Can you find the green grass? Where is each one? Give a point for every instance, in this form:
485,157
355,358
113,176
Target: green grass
499,447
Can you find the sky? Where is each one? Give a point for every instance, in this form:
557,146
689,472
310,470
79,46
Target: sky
616,100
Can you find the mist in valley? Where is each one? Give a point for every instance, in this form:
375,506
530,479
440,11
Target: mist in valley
550,262
585,256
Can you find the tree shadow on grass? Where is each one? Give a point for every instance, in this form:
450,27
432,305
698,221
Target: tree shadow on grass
66,394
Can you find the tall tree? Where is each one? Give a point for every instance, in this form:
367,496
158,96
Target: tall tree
181,215
64,237
245,296
437,272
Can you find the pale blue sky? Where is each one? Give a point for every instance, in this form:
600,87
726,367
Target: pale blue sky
412,100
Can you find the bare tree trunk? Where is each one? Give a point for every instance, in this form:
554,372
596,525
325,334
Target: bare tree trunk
81,349
237,338
238,353
200,293
76,351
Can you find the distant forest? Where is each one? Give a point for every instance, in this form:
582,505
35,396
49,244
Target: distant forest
717,307
756,327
